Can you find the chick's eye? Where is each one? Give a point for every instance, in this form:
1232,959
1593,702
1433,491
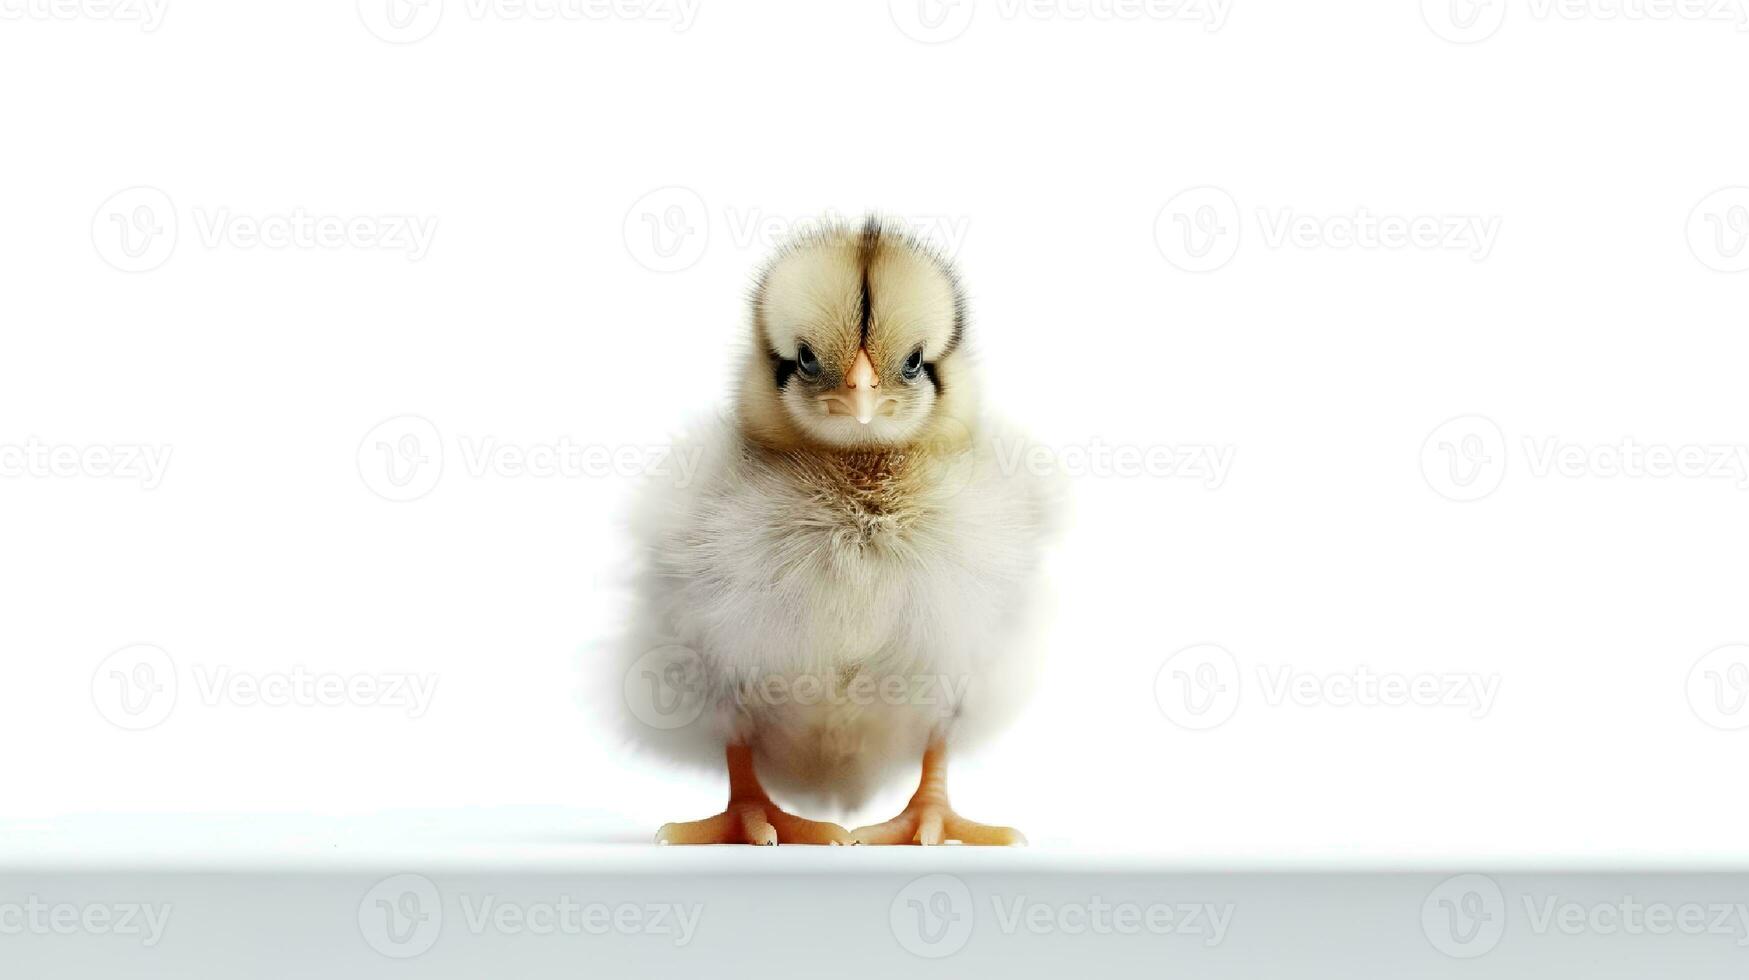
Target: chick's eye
806,362
914,365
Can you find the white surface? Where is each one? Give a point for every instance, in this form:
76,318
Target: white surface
521,839
871,918
1053,145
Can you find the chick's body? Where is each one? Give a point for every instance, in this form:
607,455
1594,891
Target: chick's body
845,609
844,585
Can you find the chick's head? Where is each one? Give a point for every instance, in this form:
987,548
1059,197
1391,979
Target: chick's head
857,345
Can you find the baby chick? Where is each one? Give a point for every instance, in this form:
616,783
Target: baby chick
843,584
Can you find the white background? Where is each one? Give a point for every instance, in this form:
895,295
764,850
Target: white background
1050,151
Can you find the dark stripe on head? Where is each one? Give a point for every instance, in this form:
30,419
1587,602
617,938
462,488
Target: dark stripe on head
865,251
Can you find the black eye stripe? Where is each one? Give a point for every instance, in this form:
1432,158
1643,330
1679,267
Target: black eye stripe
784,368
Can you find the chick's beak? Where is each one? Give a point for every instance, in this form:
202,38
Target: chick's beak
859,395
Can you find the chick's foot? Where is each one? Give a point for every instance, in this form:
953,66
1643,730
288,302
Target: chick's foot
928,819
751,817
753,822
935,823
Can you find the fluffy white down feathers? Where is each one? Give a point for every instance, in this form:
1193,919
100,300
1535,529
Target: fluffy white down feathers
835,593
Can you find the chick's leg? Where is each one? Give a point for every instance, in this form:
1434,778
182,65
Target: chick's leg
928,819
751,817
